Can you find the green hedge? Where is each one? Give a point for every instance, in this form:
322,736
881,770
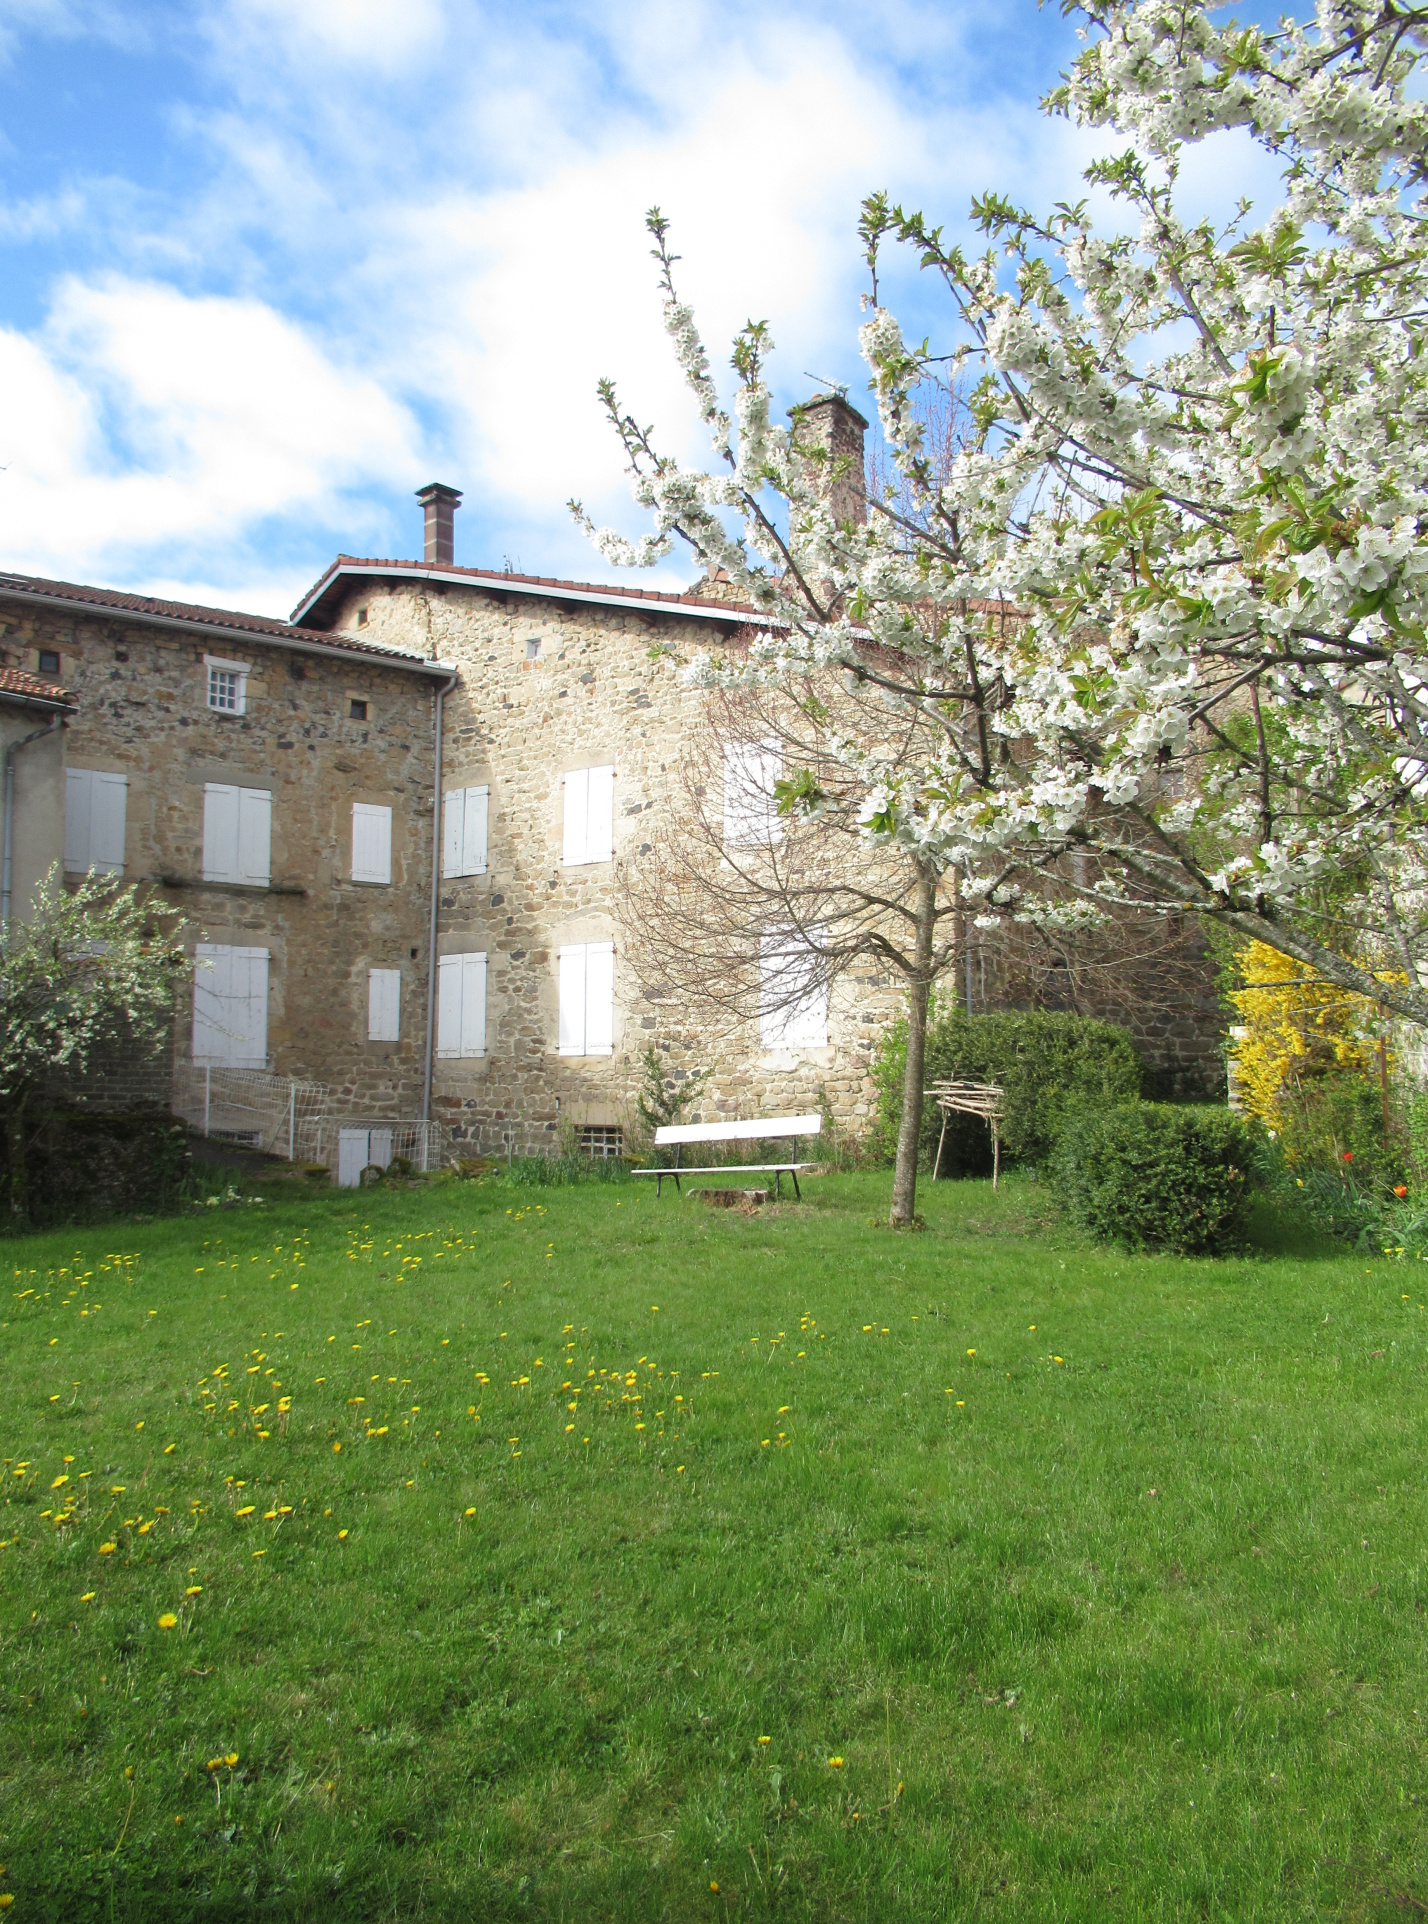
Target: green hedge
1153,1175
1048,1065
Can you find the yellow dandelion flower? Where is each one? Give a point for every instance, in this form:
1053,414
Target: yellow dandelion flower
107,1549
471,1513
341,1535
194,1590
766,1740
89,1596
167,1620
835,1763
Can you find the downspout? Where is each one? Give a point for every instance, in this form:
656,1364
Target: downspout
441,695
6,863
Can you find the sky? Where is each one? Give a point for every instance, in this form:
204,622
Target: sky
269,266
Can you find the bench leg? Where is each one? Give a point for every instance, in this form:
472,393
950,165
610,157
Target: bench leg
796,1190
675,1174
778,1193
659,1185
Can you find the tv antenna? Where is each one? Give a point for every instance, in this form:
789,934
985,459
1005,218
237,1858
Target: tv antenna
840,388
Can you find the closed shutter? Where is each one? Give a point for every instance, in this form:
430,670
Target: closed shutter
473,1005
220,832
577,804
600,816
384,1005
461,1006
94,810
371,843
230,1005
600,999
453,832
473,846
255,837
794,1014
572,1001
353,1154
750,810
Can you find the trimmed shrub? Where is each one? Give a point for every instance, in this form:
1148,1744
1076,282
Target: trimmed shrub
1151,1175
1048,1064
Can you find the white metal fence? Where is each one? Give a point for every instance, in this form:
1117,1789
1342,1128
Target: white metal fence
300,1120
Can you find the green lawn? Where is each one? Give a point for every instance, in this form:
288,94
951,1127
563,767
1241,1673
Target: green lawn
870,1576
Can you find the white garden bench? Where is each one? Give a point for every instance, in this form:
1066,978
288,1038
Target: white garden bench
760,1129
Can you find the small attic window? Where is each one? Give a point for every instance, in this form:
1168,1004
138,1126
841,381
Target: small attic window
49,661
356,711
361,617
533,648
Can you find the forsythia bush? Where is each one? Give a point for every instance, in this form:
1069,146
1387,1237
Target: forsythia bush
1156,1176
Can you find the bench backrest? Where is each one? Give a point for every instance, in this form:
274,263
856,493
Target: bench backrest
757,1130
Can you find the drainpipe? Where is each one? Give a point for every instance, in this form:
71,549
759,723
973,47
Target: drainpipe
441,695
6,863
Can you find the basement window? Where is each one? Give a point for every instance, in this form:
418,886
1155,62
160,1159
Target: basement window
356,711
599,1141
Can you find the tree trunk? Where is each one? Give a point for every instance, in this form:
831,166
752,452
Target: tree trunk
15,1161
919,989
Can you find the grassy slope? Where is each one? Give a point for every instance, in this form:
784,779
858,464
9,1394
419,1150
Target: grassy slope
1131,1605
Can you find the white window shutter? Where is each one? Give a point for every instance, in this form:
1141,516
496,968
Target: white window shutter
212,991
77,803
572,1001
577,810
473,1005
473,847
600,999
220,832
250,1008
109,796
255,837
384,1005
453,835
600,816
448,1005
371,843
794,1014
750,811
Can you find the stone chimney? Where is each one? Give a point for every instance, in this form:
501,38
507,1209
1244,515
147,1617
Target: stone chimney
440,503
828,421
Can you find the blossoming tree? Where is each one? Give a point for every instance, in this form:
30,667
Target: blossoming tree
1165,612
87,968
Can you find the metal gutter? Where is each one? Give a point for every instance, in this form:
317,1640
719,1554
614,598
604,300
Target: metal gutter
441,695
509,585
217,630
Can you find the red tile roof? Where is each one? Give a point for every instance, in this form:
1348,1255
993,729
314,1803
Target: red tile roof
598,591
18,681
191,615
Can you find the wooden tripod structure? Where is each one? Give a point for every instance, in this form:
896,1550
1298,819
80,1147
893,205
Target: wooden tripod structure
970,1099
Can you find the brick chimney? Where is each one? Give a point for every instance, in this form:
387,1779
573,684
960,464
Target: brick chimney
440,503
828,421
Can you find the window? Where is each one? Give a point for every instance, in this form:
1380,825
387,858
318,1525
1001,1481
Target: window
384,1005
589,816
587,999
49,661
794,1003
371,843
361,617
750,809
94,821
598,1140
230,1006
461,1006
227,685
237,834
533,648
463,847
356,711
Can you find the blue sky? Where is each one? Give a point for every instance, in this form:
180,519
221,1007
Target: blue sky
270,265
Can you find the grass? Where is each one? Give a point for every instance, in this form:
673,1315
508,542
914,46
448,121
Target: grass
1101,1578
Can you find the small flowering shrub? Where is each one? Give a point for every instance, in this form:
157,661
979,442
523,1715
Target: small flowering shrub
1158,1176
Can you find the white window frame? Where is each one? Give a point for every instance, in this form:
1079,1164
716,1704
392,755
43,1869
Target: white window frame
586,988
384,1005
751,817
381,870
588,825
213,970
790,1024
215,665
465,830
243,852
95,807
461,1007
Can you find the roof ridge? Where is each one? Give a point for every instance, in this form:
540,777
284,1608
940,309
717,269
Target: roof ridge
493,577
